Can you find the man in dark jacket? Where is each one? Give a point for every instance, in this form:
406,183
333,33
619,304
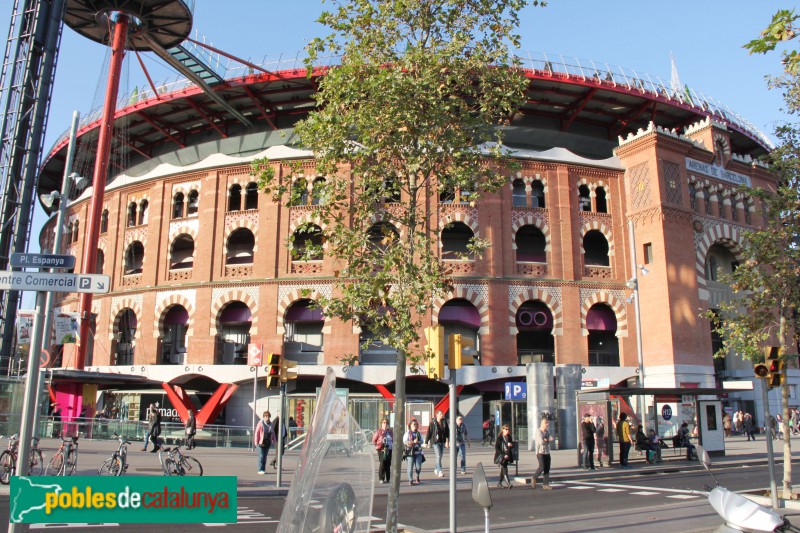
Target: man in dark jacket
154,428
587,436
439,436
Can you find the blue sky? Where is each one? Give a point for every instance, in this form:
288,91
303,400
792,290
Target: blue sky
705,38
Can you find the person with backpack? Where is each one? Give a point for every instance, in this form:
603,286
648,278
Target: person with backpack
413,450
262,438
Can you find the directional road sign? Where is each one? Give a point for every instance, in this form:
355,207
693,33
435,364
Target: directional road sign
46,282
19,260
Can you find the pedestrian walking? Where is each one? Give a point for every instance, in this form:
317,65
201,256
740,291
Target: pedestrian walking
262,438
588,430
191,430
488,432
727,424
749,426
292,428
543,440
278,426
462,442
625,439
149,419
413,450
504,454
384,441
600,441
439,437
154,428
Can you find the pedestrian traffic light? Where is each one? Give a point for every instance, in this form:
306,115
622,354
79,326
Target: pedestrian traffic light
459,351
288,370
273,370
434,365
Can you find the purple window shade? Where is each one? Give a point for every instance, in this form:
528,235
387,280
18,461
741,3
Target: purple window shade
302,313
601,318
462,314
235,313
176,315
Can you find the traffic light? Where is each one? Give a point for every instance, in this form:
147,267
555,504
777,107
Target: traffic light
273,370
456,348
288,370
434,366
772,356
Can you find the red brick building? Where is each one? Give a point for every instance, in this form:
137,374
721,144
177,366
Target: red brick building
199,266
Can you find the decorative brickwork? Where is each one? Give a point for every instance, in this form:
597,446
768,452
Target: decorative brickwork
457,266
534,217
131,280
222,296
184,274
640,186
518,295
613,299
136,233
478,294
238,271
184,226
288,295
672,181
306,267
241,219
165,301
536,270
459,213
713,233
598,273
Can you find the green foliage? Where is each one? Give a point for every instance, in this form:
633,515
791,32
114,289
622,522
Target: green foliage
781,29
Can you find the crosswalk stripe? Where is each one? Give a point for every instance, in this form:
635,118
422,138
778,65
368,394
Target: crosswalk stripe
682,496
644,493
610,490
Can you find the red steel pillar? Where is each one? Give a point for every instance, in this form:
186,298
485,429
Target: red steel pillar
120,34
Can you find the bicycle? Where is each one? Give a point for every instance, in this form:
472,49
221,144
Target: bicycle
117,464
178,464
8,459
65,460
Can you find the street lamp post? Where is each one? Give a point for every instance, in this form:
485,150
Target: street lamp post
633,283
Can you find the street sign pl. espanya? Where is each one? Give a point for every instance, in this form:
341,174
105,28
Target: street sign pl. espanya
47,282
19,260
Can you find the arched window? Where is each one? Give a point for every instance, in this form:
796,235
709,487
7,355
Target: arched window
181,254
193,203
693,197
235,197
75,231
318,191
143,212
460,317
240,247
391,190
100,263
233,333
531,245
519,197
177,205
134,258
747,206
720,205
537,194
535,342
600,200
251,196
307,244
447,195
456,238
104,221
595,248
299,192
303,340
719,261
131,214
584,199
381,235
601,322
124,343
173,336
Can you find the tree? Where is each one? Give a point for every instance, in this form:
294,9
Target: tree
766,286
414,109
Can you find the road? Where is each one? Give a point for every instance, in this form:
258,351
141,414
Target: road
621,503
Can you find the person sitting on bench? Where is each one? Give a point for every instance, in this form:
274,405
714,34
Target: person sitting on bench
683,440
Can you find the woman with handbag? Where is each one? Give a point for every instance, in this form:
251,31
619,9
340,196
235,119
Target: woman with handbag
413,450
504,454
383,441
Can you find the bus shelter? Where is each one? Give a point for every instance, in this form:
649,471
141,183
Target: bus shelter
666,410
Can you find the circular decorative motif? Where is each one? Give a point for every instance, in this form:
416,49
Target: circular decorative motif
698,226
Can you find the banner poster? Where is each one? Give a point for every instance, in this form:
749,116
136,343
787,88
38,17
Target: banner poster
65,326
24,326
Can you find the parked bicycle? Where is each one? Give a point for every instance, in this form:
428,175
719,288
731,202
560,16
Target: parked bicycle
8,459
65,460
117,464
177,464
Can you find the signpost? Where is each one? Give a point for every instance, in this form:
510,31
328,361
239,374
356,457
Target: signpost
254,356
43,283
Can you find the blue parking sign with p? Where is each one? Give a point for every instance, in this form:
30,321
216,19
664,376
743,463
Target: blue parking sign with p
516,390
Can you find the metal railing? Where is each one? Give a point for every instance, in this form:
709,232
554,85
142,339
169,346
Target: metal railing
547,63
